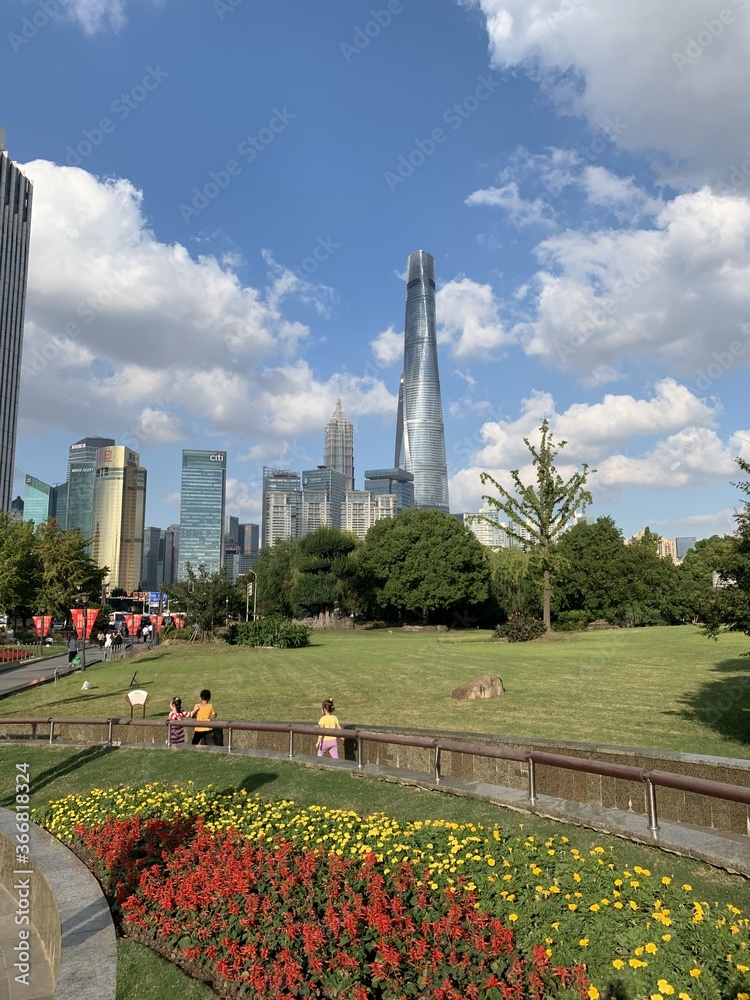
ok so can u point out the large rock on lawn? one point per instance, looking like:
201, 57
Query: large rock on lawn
487, 686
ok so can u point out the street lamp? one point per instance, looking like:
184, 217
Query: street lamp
251, 593
84, 602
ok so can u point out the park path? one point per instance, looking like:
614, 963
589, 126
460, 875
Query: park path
41, 984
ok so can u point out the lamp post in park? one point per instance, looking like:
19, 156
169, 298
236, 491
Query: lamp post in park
251, 593
84, 602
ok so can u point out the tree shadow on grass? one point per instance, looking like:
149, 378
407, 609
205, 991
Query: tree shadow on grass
723, 703
252, 782
74, 762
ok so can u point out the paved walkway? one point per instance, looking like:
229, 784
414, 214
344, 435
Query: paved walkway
40, 670
41, 984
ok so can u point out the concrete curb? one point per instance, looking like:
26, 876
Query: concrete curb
69, 911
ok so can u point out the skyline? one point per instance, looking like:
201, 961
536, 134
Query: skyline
222, 208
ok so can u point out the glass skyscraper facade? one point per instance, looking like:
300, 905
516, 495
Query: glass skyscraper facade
81, 482
398, 482
42, 501
420, 434
202, 505
15, 223
118, 516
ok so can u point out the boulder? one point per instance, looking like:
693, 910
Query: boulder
487, 686
425, 628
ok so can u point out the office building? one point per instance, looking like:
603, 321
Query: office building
339, 446
82, 458
152, 566
420, 435
239, 563
15, 224
41, 501
202, 504
16, 508
171, 553
249, 539
683, 546
231, 533
361, 509
282, 505
397, 482
322, 489
118, 516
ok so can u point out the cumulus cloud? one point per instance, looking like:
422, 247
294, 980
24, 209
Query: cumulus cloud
388, 347
522, 212
469, 321
157, 339
605, 62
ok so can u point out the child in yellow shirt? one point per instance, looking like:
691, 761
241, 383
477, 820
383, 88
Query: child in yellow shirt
328, 744
204, 712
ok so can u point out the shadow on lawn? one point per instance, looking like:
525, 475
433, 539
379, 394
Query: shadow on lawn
71, 763
722, 704
252, 782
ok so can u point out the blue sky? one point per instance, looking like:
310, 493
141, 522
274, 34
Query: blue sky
226, 192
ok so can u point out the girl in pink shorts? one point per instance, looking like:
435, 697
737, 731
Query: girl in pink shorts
328, 744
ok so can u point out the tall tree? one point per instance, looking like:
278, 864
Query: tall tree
590, 570
730, 609
66, 569
204, 597
514, 585
325, 565
276, 570
543, 511
18, 564
423, 563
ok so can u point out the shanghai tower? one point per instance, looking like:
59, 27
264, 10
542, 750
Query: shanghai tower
420, 436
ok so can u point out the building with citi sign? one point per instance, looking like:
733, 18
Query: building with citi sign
202, 508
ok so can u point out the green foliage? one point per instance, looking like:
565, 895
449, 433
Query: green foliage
18, 564
276, 570
204, 597
421, 564
521, 628
325, 565
514, 582
571, 621
541, 512
273, 631
66, 569
729, 609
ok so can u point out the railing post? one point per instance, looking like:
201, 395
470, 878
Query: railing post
437, 764
532, 780
51, 730
169, 734
229, 738
109, 732
653, 819
360, 763
291, 743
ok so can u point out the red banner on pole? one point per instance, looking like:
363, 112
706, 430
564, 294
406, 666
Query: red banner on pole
129, 623
136, 624
78, 623
42, 624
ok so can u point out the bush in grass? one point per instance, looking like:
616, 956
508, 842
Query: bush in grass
520, 628
272, 631
571, 621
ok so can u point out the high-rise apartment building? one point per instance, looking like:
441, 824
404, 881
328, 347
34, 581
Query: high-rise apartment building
15, 226
202, 506
119, 516
420, 434
249, 539
282, 505
399, 482
339, 446
82, 458
322, 491
361, 509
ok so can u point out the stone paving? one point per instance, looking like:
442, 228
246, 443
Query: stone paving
41, 984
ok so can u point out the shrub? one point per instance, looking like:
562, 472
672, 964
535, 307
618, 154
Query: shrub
571, 621
272, 631
520, 628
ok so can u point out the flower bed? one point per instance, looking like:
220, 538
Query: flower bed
640, 936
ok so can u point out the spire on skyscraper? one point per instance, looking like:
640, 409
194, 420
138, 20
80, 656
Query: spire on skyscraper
420, 435
339, 445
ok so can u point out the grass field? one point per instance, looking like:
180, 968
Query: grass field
660, 688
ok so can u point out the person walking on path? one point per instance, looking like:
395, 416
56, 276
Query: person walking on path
177, 715
203, 712
72, 649
117, 643
328, 744
108, 647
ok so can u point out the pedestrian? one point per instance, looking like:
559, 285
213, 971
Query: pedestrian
328, 744
100, 639
177, 715
72, 648
117, 643
204, 712
108, 647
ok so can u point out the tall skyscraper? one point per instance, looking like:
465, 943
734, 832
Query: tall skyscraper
420, 435
152, 565
202, 505
171, 553
398, 482
15, 224
119, 516
339, 446
42, 501
81, 481
322, 496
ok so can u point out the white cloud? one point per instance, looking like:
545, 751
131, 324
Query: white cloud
125, 325
692, 457
98, 15
243, 501
522, 212
468, 319
667, 77
388, 347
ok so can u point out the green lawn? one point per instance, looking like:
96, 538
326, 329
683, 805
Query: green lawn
660, 688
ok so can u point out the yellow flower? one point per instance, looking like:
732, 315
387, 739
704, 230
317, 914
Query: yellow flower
593, 993
742, 968
651, 949
513, 917
636, 963
618, 963
687, 888
666, 880
695, 973
665, 987
583, 942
